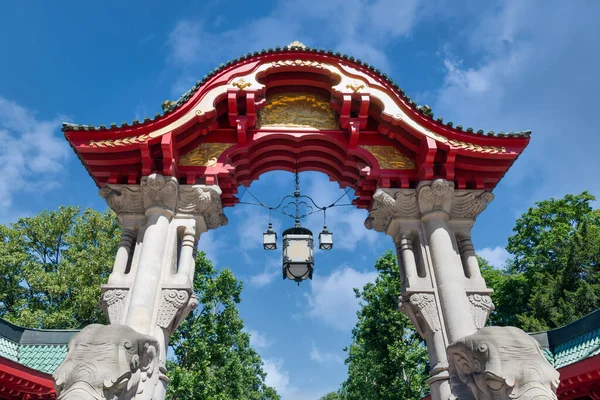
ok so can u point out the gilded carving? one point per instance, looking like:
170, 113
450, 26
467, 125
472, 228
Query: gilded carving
389, 157
241, 84
296, 43
297, 110
119, 142
205, 155
355, 86
297, 63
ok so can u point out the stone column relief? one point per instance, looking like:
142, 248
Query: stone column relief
149, 292
443, 292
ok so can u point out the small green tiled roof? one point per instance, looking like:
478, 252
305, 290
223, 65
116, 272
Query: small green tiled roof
573, 342
9, 349
39, 349
45, 358
576, 349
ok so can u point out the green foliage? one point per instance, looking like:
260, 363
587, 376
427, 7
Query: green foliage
387, 359
554, 277
52, 266
331, 396
213, 358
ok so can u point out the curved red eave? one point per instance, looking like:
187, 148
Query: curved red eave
371, 111
18, 382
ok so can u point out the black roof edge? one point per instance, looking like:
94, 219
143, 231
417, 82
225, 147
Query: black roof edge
558, 336
22, 335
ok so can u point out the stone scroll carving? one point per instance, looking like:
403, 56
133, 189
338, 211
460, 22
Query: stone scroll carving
481, 307
498, 363
391, 203
469, 204
205, 201
435, 196
112, 362
113, 303
123, 199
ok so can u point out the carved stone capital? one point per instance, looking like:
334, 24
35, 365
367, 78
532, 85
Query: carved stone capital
435, 195
421, 309
389, 204
205, 201
123, 199
112, 362
175, 305
160, 191
113, 304
481, 308
470, 203
497, 363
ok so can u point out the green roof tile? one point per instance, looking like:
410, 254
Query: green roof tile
9, 349
45, 358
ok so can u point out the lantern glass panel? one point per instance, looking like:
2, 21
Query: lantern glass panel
270, 240
298, 259
325, 240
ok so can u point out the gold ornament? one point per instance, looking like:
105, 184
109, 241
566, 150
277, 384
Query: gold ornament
119, 142
297, 110
241, 84
205, 155
389, 157
355, 86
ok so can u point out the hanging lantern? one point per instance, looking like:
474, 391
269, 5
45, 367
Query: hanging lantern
270, 238
298, 260
325, 239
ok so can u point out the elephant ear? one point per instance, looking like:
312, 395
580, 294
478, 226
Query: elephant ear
461, 370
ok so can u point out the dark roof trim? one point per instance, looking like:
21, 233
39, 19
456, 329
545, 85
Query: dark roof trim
34, 336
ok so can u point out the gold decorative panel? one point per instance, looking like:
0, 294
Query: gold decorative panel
297, 110
204, 155
389, 157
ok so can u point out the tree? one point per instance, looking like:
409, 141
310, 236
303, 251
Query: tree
387, 359
52, 266
554, 276
331, 396
213, 358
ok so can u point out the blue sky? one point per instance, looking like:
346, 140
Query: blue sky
491, 65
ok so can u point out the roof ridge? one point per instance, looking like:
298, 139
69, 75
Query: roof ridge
169, 106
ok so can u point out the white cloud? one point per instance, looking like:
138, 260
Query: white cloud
32, 154
332, 298
258, 340
361, 28
496, 256
279, 378
211, 246
324, 357
271, 271
532, 65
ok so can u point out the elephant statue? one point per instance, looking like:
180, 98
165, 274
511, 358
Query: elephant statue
498, 363
112, 362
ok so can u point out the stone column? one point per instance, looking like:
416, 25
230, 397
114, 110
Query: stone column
151, 290
443, 298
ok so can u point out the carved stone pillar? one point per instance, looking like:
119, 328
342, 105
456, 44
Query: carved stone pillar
151, 286
442, 294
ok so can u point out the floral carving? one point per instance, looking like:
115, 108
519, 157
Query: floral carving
113, 301
481, 307
172, 301
205, 201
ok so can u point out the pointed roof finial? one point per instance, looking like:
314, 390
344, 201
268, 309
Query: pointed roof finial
296, 43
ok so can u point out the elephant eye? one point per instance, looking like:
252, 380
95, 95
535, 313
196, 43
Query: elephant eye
494, 384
